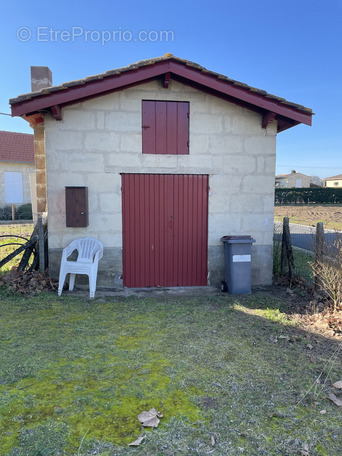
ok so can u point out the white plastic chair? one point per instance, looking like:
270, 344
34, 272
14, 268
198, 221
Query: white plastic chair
90, 251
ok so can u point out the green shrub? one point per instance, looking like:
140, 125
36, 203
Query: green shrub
6, 213
308, 195
23, 212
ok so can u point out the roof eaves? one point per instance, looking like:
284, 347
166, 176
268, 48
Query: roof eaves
143, 63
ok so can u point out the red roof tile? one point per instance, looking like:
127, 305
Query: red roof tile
50, 99
16, 147
338, 177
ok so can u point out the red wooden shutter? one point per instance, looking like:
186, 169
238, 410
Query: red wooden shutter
165, 230
165, 127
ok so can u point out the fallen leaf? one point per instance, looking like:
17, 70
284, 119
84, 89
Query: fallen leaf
335, 400
323, 412
138, 441
284, 337
338, 385
150, 418
213, 441
273, 339
305, 450
309, 346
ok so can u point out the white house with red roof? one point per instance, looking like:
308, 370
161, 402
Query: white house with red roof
158, 160
16, 164
333, 181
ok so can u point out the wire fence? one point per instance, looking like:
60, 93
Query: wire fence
305, 243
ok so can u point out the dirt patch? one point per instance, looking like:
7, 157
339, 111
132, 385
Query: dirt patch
311, 310
331, 216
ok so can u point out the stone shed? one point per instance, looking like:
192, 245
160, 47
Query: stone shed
158, 160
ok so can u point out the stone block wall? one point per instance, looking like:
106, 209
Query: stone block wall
101, 138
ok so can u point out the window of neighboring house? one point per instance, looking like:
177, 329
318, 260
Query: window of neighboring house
336, 184
13, 187
165, 127
283, 182
299, 183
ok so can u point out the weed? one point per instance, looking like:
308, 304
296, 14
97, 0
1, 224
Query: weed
329, 272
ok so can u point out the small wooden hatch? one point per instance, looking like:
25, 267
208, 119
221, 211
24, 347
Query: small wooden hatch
76, 207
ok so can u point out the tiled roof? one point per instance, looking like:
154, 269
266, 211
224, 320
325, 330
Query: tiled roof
281, 176
149, 62
338, 177
16, 147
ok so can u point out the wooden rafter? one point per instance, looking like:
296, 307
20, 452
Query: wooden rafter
56, 112
267, 118
166, 82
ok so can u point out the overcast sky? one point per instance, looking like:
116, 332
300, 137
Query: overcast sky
291, 49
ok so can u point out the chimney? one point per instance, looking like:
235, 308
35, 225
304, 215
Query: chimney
41, 78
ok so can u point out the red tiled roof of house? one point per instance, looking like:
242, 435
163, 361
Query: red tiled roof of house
53, 99
149, 62
338, 177
16, 147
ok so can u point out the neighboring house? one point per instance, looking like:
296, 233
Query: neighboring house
16, 164
170, 157
292, 180
334, 181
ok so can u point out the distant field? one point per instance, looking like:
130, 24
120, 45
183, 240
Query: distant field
330, 215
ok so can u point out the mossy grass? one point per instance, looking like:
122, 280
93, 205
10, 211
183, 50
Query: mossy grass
75, 373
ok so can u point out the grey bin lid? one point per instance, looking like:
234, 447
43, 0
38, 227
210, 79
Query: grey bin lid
238, 239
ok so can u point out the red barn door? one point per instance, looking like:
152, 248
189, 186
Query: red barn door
165, 230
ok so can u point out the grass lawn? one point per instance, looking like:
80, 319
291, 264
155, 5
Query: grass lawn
231, 376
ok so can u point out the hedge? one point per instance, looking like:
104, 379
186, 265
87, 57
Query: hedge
310, 195
23, 212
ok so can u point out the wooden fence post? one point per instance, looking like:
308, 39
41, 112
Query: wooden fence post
41, 243
319, 252
287, 249
283, 258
